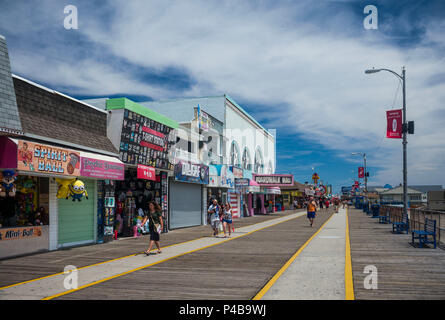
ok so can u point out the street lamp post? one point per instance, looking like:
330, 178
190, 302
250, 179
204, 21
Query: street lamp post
404, 132
364, 160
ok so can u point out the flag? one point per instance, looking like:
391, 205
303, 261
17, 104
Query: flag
361, 172
394, 124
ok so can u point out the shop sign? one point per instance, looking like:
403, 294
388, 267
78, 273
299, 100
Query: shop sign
273, 191
35, 157
226, 177
146, 172
237, 172
241, 182
20, 233
190, 172
309, 192
101, 169
145, 141
274, 179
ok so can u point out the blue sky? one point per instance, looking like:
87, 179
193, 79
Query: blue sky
296, 66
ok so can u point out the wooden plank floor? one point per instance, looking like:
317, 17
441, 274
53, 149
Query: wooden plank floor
236, 269
34, 266
404, 272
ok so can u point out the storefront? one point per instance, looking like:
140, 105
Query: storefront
144, 139
269, 184
186, 194
221, 183
47, 191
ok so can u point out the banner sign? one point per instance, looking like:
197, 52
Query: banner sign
361, 172
20, 233
36, 157
146, 172
394, 124
101, 169
241, 182
274, 179
346, 190
191, 172
237, 172
145, 141
309, 192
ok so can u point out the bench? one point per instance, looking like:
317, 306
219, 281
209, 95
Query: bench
422, 235
399, 227
385, 218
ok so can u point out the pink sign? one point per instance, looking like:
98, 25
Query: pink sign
394, 124
101, 169
146, 172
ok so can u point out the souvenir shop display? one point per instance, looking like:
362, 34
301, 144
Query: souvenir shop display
106, 208
132, 198
145, 141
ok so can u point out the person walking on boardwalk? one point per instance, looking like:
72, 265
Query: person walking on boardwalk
336, 204
155, 225
227, 220
311, 209
213, 212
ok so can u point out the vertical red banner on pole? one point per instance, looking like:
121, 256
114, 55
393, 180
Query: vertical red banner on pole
394, 124
361, 172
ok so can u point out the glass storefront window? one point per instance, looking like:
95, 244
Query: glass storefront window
29, 206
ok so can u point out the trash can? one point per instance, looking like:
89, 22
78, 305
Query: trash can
375, 208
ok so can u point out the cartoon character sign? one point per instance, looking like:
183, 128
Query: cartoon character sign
77, 190
7, 186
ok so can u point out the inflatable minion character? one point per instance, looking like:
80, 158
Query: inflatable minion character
7, 186
63, 191
77, 190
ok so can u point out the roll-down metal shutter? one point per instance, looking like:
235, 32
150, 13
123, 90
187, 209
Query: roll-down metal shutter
185, 204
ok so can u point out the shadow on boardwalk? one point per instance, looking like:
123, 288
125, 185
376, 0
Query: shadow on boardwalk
404, 272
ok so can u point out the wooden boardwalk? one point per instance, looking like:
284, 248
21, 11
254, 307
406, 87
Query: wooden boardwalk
34, 266
234, 270
404, 272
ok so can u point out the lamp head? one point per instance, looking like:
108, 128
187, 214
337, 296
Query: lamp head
369, 71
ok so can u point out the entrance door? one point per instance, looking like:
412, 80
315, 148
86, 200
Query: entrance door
76, 219
185, 205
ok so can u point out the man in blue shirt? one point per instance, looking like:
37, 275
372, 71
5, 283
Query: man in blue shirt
214, 216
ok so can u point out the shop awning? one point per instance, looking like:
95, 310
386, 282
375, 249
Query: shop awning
8, 153
254, 187
98, 166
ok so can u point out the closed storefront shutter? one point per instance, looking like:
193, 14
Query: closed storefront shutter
76, 219
185, 204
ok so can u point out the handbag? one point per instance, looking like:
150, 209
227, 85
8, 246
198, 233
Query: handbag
156, 226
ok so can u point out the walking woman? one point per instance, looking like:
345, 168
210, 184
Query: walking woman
227, 220
156, 225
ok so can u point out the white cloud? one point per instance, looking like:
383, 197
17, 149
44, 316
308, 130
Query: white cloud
277, 56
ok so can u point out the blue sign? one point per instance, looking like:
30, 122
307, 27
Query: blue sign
190, 172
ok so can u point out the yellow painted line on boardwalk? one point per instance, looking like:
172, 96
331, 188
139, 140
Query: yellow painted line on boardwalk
287, 264
158, 262
92, 265
349, 283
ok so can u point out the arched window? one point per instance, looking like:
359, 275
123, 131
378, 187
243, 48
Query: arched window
234, 155
258, 165
246, 160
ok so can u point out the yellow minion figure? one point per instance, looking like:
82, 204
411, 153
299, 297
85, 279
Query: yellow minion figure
63, 191
77, 190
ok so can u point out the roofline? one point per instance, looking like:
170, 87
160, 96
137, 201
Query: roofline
247, 114
57, 92
3, 37
70, 144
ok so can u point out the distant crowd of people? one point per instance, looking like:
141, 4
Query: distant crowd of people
314, 204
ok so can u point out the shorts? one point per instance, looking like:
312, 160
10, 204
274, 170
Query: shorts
311, 215
215, 223
227, 221
154, 236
